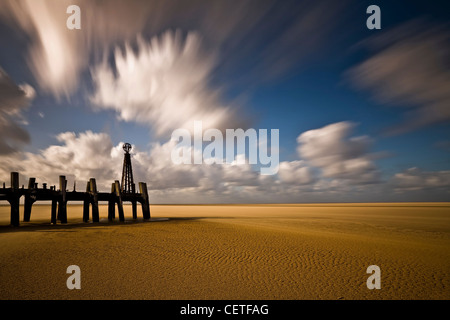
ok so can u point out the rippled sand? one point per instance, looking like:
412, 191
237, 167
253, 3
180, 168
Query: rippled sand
233, 252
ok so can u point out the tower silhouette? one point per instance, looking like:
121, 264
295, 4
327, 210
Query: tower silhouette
127, 185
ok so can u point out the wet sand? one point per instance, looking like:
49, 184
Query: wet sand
308, 251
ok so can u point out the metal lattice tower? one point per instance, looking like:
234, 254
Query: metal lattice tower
127, 185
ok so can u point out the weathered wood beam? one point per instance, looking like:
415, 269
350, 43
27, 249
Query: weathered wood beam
62, 203
111, 204
14, 199
94, 200
86, 203
53, 214
145, 203
119, 201
28, 200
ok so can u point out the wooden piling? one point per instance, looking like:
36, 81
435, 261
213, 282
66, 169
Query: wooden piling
14, 199
14, 180
53, 214
86, 203
60, 197
31, 183
134, 208
119, 201
28, 200
111, 204
94, 199
145, 203
62, 203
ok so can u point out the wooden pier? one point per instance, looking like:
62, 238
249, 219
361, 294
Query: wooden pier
60, 197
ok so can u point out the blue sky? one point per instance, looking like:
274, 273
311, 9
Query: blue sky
296, 66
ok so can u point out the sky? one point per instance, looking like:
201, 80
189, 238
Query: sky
363, 114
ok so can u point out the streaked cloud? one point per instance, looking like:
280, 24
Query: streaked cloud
409, 69
164, 84
52, 58
242, 34
56, 55
14, 99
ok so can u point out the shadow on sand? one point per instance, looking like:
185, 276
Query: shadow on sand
71, 226
42, 225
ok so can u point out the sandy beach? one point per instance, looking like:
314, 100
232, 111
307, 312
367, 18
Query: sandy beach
297, 251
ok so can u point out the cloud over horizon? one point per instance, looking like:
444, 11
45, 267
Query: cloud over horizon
344, 163
415, 179
338, 155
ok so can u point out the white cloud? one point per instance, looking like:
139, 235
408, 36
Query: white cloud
79, 157
295, 172
93, 155
337, 154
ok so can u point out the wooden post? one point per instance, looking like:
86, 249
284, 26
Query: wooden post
119, 201
14, 180
62, 205
14, 199
111, 204
53, 216
28, 201
146, 203
134, 207
86, 204
31, 183
95, 213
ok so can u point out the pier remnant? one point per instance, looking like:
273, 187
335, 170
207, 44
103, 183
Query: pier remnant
90, 198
